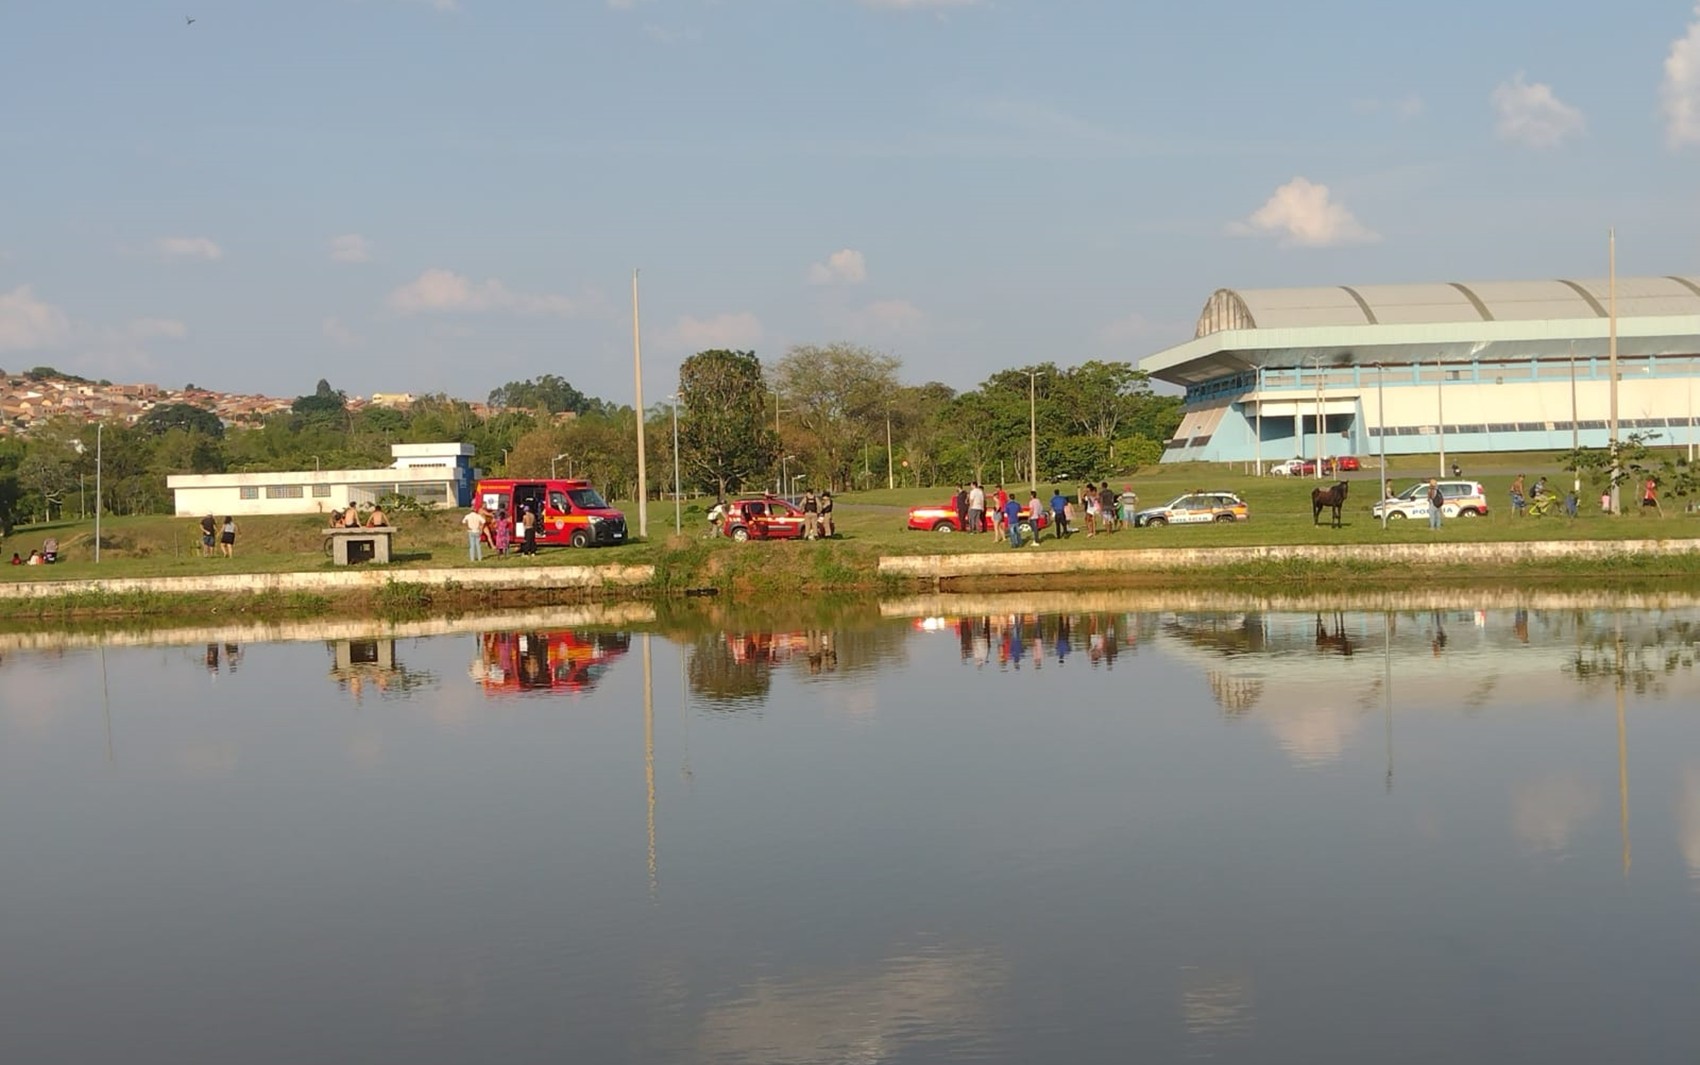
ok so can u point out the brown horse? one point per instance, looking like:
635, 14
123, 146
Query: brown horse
1327, 497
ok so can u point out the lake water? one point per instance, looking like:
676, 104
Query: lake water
943, 831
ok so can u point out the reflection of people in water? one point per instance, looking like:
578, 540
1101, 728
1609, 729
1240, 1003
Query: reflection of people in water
534, 662
1063, 646
1439, 643
1520, 624
212, 658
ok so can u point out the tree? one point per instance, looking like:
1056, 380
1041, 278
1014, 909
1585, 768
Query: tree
185, 416
546, 393
838, 393
725, 439
324, 407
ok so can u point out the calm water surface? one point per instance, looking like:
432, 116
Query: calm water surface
989, 834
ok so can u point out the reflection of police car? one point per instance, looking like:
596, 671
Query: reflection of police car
1196, 508
1464, 499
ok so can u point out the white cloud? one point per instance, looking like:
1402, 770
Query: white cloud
182, 248
1533, 116
738, 331
156, 328
1303, 213
351, 248
28, 324
443, 292
338, 333
1680, 91
843, 267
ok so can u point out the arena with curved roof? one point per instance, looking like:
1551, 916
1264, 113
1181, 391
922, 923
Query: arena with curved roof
1490, 366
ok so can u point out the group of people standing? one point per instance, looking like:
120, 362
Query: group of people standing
498, 530
1100, 508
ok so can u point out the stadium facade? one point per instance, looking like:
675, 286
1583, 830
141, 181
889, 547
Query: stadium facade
1496, 366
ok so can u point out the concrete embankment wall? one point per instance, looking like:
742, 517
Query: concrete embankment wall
229, 630
1029, 562
539, 577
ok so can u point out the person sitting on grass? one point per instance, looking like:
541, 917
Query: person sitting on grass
35, 559
16, 561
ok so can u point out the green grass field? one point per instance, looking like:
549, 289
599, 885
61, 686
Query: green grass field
870, 524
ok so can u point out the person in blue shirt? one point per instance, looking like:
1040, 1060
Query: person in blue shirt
1012, 522
1059, 512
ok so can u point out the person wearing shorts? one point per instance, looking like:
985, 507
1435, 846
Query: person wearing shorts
209, 530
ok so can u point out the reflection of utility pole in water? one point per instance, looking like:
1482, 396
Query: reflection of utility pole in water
106, 702
685, 715
1622, 756
649, 755
1387, 688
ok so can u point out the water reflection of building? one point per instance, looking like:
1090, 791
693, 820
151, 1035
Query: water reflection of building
371, 664
570, 661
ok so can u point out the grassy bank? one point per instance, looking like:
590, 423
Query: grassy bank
871, 524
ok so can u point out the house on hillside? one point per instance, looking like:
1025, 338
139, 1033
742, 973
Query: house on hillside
436, 474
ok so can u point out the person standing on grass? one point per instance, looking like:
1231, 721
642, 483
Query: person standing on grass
1059, 512
1107, 506
502, 531
1089, 503
999, 498
227, 537
1129, 501
528, 543
1011, 516
960, 502
1650, 497
1435, 500
1518, 502
811, 516
208, 529
976, 509
826, 527
474, 522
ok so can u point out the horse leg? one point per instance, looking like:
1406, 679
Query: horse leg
1315, 512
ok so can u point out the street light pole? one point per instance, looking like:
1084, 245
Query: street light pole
1033, 428
890, 472
99, 429
1381, 417
556, 459
1440, 411
1611, 360
637, 375
678, 520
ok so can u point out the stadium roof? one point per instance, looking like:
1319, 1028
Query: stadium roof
1241, 329
1492, 301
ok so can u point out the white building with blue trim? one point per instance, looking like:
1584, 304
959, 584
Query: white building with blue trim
1496, 366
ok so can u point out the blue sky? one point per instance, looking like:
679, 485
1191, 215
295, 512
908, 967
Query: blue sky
422, 195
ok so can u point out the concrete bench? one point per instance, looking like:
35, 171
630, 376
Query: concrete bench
351, 546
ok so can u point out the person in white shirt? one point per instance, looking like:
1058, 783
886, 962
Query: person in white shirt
474, 522
976, 509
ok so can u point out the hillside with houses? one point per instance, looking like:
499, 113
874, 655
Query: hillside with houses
30, 398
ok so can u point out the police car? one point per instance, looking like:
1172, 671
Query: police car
1195, 508
1463, 499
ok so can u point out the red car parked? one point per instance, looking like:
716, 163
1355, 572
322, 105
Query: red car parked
762, 518
943, 519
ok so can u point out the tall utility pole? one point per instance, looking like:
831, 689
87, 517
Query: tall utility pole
637, 373
1575, 427
1611, 364
1381, 417
1033, 427
890, 474
778, 438
99, 429
1440, 411
1259, 442
678, 519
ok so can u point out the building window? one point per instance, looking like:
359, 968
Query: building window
248, 491
283, 491
321, 491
